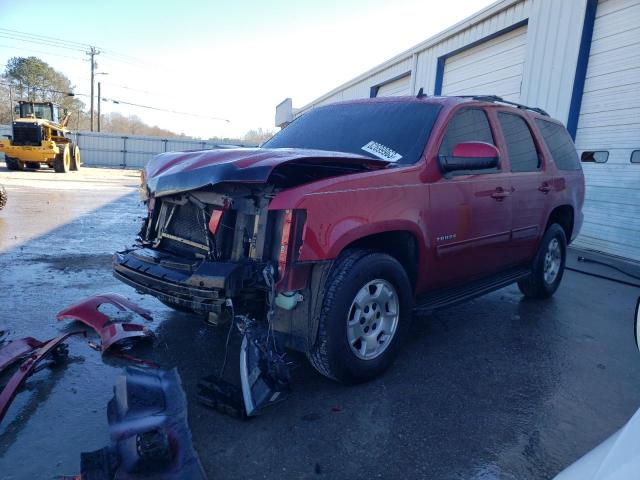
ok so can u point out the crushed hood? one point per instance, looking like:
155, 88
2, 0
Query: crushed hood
176, 172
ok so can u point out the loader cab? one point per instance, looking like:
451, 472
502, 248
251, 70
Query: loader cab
40, 110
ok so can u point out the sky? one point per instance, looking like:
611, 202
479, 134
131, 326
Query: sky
232, 60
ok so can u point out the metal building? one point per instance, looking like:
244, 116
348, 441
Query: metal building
577, 59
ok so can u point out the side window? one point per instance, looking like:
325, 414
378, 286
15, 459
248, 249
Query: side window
523, 155
468, 125
560, 144
635, 156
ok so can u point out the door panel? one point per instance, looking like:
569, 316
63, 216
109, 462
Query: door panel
530, 183
471, 229
471, 213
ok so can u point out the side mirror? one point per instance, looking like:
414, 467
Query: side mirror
470, 156
637, 324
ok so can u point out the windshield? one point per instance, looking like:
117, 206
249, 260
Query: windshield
392, 131
42, 111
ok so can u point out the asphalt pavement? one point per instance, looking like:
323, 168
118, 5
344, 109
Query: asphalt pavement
497, 388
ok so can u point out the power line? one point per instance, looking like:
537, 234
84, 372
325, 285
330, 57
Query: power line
122, 102
40, 42
45, 37
43, 51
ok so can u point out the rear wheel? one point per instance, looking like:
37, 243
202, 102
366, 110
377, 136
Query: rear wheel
548, 265
62, 162
364, 317
75, 157
14, 163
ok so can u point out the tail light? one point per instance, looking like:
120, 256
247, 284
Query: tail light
291, 239
216, 216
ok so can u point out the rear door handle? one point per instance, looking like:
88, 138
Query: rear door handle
500, 194
545, 188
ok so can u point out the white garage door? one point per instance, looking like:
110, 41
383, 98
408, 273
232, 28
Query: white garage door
395, 88
491, 68
610, 122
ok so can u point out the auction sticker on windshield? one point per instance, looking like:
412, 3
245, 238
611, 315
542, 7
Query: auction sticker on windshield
380, 151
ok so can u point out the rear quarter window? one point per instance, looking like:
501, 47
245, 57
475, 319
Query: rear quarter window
560, 145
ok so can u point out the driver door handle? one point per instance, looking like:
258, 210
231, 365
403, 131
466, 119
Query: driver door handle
500, 194
545, 188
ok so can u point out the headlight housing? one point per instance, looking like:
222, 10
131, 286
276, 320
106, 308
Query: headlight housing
142, 188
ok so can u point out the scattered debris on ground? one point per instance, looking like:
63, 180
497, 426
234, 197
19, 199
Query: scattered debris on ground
110, 332
53, 349
264, 374
150, 436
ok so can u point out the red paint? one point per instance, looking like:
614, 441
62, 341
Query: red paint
15, 350
26, 369
475, 150
110, 333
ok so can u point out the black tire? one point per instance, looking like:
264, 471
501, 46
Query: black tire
3, 197
62, 162
536, 286
332, 355
75, 158
14, 164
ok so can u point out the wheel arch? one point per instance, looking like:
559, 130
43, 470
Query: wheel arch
399, 244
563, 215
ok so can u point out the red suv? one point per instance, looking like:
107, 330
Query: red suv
358, 216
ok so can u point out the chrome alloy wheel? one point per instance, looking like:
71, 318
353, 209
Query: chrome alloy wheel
552, 261
372, 320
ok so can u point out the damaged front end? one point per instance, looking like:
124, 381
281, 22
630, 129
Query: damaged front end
197, 249
210, 231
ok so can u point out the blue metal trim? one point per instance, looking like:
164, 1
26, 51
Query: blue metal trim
581, 67
373, 92
437, 89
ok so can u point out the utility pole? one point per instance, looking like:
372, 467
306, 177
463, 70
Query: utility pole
11, 106
92, 53
98, 106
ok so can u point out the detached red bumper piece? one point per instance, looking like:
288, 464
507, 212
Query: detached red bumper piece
110, 332
54, 348
15, 350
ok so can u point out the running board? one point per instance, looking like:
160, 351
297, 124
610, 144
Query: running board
447, 297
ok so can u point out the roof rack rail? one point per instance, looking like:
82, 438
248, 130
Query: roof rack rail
495, 98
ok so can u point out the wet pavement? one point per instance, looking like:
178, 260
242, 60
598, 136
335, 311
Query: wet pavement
498, 388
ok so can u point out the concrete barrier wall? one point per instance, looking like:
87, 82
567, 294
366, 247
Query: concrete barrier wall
126, 151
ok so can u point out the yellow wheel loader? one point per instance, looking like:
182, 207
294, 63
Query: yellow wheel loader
40, 135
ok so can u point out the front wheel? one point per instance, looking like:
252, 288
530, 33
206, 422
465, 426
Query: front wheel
75, 158
548, 265
14, 164
364, 318
62, 162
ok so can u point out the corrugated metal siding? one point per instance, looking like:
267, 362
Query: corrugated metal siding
395, 88
107, 150
553, 43
494, 67
610, 120
428, 59
425, 68
362, 89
